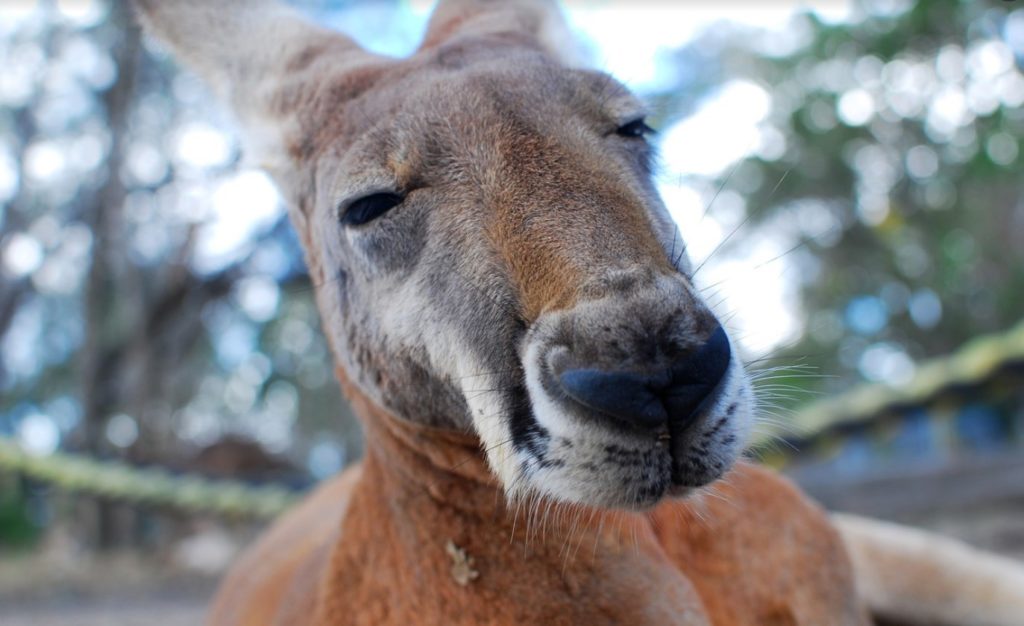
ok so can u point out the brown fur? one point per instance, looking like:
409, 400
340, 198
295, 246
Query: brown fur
369, 548
548, 269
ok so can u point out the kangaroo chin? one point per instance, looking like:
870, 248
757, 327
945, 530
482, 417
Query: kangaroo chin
513, 318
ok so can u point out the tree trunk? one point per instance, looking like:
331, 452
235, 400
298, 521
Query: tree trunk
100, 354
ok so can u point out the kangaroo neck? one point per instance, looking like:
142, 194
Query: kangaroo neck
405, 458
429, 518
437, 467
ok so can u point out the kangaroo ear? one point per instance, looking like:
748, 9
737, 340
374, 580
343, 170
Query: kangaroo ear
540, 21
259, 56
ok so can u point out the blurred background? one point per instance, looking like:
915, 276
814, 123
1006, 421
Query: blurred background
847, 176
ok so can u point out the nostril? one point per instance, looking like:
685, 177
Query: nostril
631, 398
696, 376
706, 364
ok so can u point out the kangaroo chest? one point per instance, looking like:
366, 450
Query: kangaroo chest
417, 558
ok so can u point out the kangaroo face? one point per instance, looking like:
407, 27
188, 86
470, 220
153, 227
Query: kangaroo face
496, 258
490, 254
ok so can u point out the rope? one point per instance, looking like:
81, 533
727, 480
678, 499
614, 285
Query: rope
153, 486
976, 362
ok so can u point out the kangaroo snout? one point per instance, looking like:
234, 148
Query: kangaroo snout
653, 400
640, 380
645, 356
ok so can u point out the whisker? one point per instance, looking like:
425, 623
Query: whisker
803, 242
721, 187
746, 219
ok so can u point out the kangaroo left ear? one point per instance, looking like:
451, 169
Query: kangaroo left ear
265, 61
539, 20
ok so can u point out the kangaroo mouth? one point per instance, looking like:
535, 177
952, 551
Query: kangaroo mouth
581, 459
675, 438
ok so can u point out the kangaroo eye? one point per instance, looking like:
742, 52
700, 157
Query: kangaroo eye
369, 208
636, 128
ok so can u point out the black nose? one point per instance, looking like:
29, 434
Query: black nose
649, 400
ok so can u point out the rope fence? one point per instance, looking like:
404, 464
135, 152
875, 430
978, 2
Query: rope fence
974, 363
153, 486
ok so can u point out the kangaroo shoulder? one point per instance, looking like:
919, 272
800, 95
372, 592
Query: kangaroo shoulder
275, 579
760, 551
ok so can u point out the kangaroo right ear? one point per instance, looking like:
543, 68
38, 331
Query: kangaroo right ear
538, 20
260, 57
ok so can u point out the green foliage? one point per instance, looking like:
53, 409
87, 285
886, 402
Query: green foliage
16, 527
902, 178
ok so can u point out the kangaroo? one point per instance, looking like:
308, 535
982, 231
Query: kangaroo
554, 418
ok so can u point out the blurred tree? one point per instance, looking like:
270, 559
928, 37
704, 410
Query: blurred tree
153, 298
895, 174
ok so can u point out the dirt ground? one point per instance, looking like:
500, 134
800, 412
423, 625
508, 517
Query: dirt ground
46, 589
138, 611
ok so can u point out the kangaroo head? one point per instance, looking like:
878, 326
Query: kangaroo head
488, 248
